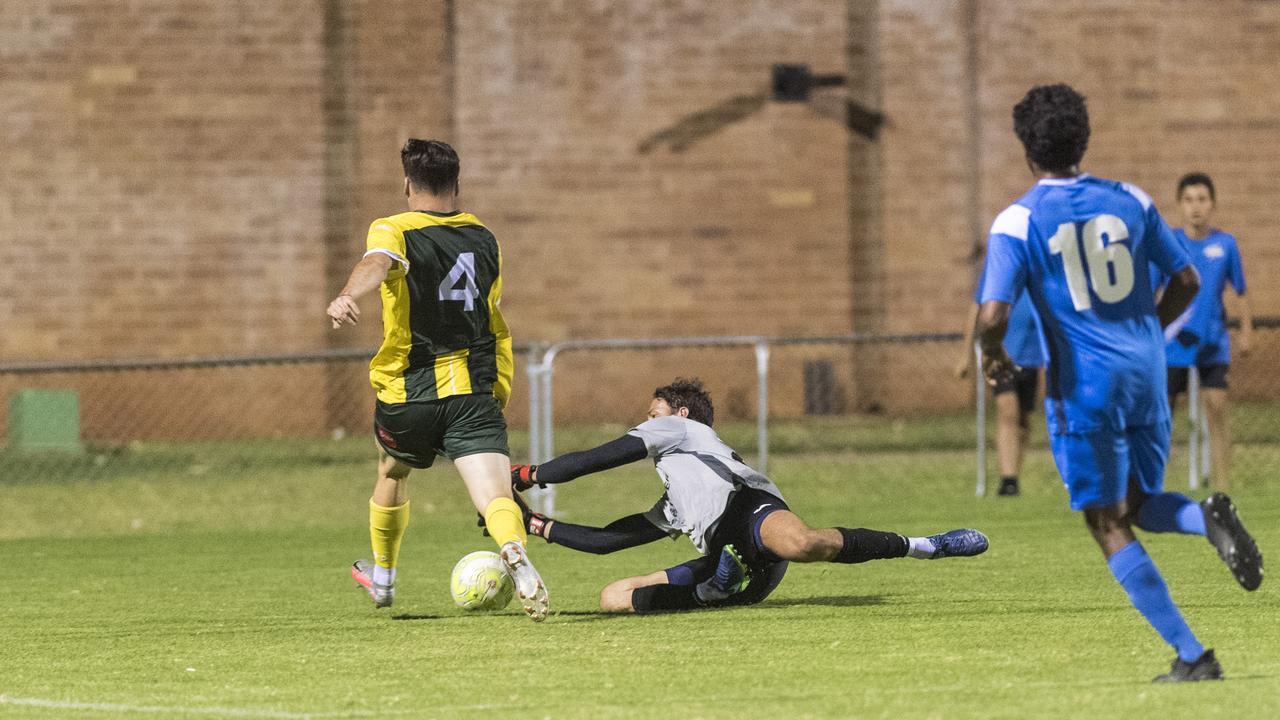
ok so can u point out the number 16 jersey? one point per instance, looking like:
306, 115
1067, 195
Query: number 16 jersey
1082, 249
442, 331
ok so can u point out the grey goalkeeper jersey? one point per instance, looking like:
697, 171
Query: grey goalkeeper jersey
699, 473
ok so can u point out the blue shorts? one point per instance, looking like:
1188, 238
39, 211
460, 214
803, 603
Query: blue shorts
1097, 466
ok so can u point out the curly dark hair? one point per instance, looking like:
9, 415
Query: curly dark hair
688, 393
1197, 178
430, 165
1053, 124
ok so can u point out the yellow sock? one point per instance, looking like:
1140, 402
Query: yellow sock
505, 521
386, 528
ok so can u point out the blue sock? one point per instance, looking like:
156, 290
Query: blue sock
1148, 593
1171, 512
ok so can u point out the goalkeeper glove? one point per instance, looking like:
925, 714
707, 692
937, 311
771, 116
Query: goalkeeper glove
522, 477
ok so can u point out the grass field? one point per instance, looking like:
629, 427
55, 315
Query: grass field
211, 581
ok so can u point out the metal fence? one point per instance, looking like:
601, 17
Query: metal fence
129, 418
541, 371
844, 393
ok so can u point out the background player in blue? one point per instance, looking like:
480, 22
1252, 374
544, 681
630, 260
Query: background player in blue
1199, 337
1016, 395
1080, 247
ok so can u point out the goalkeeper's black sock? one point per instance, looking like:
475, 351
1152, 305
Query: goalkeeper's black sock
654, 599
861, 545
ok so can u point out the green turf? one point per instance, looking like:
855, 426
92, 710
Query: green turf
214, 585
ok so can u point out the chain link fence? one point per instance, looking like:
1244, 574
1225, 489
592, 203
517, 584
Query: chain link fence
98, 420
841, 394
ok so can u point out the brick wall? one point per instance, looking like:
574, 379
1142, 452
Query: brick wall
601, 239
185, 178
161, 177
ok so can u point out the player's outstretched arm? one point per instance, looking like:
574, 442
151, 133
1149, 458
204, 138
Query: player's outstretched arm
620, 534
623, 533
624, 450
367, 275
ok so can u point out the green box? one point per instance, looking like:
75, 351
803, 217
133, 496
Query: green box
44, 420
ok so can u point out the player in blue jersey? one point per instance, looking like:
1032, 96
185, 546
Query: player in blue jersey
1199, 337
1080, 246
1016, 395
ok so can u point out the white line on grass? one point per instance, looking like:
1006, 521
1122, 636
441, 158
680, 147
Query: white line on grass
220, 711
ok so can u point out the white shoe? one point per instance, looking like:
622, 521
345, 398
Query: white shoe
382, 595
529, 586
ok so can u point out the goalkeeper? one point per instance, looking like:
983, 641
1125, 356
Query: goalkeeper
734, 516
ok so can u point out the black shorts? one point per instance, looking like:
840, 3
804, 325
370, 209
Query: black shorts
415, 432
1025, 382
1211, 376
740, 527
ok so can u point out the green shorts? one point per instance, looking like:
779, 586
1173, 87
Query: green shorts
415, 432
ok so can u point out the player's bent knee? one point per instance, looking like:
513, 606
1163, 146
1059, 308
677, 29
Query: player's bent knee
1103, 519
616, 597
1007, 408
806, 546
817, 548
393, 469
786, 548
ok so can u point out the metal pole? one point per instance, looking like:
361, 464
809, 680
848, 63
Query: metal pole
1206, 442
548, 428
1193, 439
536, 495
762, 407
535, 408
547, 440
981, 421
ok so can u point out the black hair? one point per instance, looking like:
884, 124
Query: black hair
430, 165
1196, 178
1053, 124
688, 393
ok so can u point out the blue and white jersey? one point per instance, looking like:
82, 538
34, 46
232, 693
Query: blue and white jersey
1081, 248
1024, 340
1199, 336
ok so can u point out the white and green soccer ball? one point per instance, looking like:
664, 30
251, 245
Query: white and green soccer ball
480, 582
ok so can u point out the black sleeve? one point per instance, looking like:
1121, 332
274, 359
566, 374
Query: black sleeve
626, 449
620, 534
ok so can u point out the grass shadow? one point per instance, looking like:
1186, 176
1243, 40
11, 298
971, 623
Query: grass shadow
414, 616
824, 600
577, 616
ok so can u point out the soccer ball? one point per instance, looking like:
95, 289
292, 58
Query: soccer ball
480, 582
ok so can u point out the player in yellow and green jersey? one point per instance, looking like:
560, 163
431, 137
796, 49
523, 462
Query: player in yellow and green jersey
443, 373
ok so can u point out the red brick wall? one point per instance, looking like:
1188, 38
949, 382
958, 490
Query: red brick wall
186, 178
161, 178
602, 240
742, 232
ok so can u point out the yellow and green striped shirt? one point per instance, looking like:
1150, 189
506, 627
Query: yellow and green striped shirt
442, 331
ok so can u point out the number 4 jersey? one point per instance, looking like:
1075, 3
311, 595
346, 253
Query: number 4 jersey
1082, 248
443, 334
